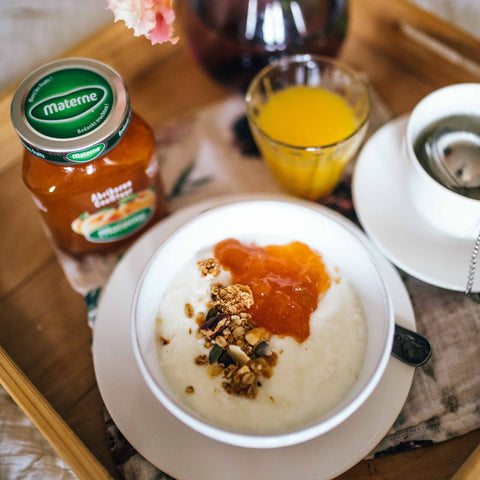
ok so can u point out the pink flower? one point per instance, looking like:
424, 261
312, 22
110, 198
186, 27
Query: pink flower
151, 18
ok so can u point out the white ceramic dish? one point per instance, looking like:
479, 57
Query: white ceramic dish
389, 217
186, 455
284, 222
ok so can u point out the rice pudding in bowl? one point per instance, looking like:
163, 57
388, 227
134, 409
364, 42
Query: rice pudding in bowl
217, 354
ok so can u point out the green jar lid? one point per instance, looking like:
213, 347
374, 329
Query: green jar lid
71, 111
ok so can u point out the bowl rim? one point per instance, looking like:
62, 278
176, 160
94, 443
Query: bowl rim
263, 441
304, 58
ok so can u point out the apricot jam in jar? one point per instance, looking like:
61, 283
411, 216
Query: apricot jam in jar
89, 161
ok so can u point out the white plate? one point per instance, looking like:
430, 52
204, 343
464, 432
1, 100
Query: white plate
387, 214
185, 454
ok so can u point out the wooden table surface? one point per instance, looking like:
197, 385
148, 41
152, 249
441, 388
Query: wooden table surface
44, 322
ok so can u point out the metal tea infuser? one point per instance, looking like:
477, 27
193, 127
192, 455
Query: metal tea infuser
454, 156
453, 152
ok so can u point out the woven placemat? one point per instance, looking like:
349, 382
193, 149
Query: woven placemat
210, 153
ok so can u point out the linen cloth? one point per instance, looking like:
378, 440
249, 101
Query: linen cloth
24, 453
209, 153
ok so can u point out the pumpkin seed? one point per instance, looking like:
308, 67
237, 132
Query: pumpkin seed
225, 359
212, 313
261, 349
215, 354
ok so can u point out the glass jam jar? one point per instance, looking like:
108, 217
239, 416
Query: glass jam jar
89, 161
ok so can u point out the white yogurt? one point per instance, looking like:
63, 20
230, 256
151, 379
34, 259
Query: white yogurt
309, 379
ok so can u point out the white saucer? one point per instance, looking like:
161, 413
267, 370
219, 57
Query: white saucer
387, 214
187, 455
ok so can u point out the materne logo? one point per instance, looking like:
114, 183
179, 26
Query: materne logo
68, 106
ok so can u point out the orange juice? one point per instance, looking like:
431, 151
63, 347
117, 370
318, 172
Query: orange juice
301, 119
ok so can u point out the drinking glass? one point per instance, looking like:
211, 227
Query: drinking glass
310, 171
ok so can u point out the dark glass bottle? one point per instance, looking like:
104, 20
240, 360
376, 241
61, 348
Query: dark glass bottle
234, 39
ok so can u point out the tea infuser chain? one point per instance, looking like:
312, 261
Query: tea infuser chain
471, 272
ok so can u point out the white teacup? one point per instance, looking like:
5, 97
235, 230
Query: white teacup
446, 210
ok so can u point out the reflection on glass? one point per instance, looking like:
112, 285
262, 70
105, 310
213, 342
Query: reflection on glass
234, 39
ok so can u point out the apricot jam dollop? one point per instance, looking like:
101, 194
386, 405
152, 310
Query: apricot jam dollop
287, 282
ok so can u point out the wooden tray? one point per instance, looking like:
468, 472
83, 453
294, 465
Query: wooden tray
405, 52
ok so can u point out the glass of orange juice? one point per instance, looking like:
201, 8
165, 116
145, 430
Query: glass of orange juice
308, 115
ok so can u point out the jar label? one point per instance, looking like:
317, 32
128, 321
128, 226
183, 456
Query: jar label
68, 103
86, 155
116, 222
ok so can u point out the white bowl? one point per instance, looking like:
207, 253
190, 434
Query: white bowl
285, 222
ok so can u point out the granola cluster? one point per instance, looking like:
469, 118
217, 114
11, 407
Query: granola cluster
209, 266
232, 299
238, 348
